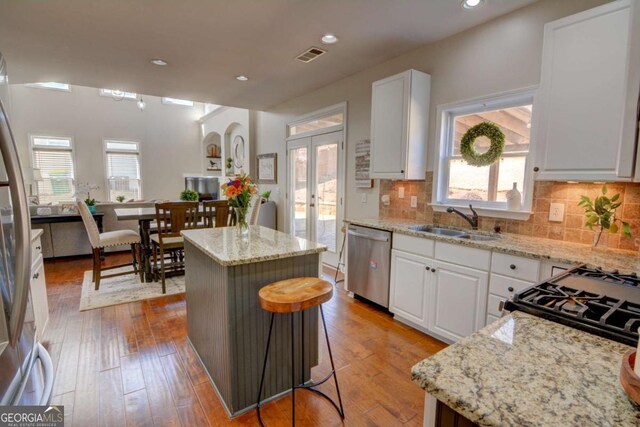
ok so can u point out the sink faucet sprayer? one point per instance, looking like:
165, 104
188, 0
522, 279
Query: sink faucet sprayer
473, 220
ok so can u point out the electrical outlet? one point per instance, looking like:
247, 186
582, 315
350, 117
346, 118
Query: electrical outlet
400, 192
556, 212
363, 198
414, 201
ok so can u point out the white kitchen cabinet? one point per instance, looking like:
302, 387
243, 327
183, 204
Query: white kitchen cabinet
409, 295
587, 105
399, 121
38, 301
459, 302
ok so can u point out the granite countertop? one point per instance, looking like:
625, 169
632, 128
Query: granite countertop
527, 371
263, 244
533, 247
36, 233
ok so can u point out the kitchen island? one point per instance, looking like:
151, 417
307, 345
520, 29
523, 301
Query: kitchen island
527, 371
225, 323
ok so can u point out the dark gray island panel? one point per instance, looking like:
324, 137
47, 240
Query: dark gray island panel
228, 329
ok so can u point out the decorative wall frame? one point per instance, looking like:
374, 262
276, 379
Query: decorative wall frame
267, 168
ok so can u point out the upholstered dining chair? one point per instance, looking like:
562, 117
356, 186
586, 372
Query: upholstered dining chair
217, 213
171, 219
100, 241
254, 209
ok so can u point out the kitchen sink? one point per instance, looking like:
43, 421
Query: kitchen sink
436, 230
477, 237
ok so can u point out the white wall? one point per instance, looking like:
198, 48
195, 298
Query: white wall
500, 55
169, 135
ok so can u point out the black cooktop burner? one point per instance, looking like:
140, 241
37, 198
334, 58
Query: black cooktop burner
600, 302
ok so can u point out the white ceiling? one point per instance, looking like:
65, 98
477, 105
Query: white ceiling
109, 43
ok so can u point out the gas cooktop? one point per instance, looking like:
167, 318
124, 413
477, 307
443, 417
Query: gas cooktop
604, 303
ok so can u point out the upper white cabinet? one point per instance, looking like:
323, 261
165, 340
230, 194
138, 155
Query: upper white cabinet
589, 96
399, 121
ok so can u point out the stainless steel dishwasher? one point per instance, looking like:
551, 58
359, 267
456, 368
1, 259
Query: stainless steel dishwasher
369, 260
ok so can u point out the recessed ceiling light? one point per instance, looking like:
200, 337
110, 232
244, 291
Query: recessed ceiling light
242, 78
160, 62
470, 4
329, 39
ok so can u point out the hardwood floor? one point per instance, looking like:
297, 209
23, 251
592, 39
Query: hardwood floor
132, 365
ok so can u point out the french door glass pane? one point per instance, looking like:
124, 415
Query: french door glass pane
326, 184
299, 167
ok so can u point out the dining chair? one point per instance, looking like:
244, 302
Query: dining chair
254, 209
217, 213
100, 241
171, 219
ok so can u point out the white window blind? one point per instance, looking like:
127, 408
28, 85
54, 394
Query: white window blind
54, 158
123, 170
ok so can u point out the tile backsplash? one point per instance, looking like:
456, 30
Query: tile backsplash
571, 229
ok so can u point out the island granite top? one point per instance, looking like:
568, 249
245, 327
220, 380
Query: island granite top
534, 247
263, 244
527, 371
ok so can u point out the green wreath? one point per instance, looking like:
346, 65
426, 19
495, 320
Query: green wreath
468, 151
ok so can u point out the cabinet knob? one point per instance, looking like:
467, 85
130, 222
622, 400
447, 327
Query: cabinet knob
536, 169
428, 268
510, 288
402, 171
433, 270
512, 266
38, 248
35, 276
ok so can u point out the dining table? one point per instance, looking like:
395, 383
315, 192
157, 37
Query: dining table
144, 216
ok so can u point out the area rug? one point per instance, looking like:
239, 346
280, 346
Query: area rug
124, 289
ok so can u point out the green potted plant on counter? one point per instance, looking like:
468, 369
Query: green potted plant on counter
86, 188
601, 214
189, 196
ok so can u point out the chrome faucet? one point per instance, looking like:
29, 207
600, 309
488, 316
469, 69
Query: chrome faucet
473, 220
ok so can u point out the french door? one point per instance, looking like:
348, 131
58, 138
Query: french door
314, 193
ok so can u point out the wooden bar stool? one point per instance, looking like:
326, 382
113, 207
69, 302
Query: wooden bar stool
288, 297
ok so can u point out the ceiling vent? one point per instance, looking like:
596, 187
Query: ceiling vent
310, 54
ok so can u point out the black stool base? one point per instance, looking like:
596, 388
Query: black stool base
311, 387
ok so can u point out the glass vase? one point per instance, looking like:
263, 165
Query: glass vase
242, 228
600, 240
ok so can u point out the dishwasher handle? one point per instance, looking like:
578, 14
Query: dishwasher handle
366, 236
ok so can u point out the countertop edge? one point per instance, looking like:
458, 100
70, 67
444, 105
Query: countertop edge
490, 245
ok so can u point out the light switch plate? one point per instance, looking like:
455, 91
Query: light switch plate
363, 198
414, 201
556, 212
400, 192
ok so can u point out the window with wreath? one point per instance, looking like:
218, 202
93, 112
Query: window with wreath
485, 184
53, 157
123, 170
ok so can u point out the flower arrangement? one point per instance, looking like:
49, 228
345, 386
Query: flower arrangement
601, 212
86, 188
239, 191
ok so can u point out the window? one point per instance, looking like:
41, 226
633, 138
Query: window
123, 170
54, 157
118, 94
331, 120
51, 85
176, 101
459, 183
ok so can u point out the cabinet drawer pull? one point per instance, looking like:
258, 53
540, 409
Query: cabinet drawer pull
536, 169
428, 268
37, 248
35, 276
433, 270
510, 288
512, 266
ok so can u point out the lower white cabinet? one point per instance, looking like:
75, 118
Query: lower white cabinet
38, 300
459, 300
410, 287
447, 300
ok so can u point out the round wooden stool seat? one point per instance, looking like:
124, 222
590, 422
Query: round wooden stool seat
297, 294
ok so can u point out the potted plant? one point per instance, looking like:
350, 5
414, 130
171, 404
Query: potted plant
86, 188
229, 166
266, 195
189, 196
120, 198
601, 213
239, 191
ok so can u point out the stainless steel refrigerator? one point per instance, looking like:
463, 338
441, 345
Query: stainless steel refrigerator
26, 371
